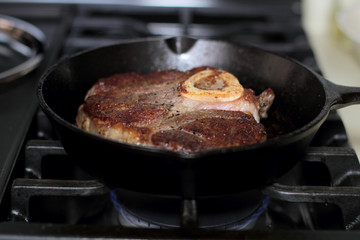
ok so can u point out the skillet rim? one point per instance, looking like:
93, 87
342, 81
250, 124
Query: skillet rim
277, 141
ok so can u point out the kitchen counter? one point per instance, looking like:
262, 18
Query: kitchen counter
334, 55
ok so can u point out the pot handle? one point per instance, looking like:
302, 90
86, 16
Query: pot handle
342, 96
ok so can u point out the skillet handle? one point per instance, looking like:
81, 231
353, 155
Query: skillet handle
342, 96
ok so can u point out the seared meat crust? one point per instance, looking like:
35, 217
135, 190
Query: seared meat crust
148, 109
206, 132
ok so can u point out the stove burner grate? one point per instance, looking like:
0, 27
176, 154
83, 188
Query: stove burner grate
338, 168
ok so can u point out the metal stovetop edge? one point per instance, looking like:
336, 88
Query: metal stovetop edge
57, 231
18, 103
156, 3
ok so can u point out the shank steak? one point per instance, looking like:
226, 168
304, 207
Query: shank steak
159, 109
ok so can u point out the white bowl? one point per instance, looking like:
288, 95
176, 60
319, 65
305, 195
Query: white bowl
348, 21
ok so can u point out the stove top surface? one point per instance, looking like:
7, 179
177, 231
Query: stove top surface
44, 195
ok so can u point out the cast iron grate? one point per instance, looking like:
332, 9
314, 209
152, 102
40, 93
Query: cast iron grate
272, 27
328, 176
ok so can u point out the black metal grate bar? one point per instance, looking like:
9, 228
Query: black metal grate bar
24, 189
35, 151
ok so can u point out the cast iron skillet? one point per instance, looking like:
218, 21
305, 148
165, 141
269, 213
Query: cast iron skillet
303, 101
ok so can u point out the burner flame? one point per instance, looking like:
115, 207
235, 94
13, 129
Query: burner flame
148, 217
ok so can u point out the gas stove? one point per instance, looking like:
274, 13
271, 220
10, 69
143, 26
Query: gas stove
45, 195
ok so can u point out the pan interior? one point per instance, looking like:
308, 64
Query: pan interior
299, 93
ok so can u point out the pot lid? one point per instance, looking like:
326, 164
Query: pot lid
21, 48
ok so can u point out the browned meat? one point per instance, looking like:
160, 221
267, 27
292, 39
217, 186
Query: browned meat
210, 129
152, 109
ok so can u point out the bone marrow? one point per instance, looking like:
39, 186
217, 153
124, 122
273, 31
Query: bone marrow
212, 86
